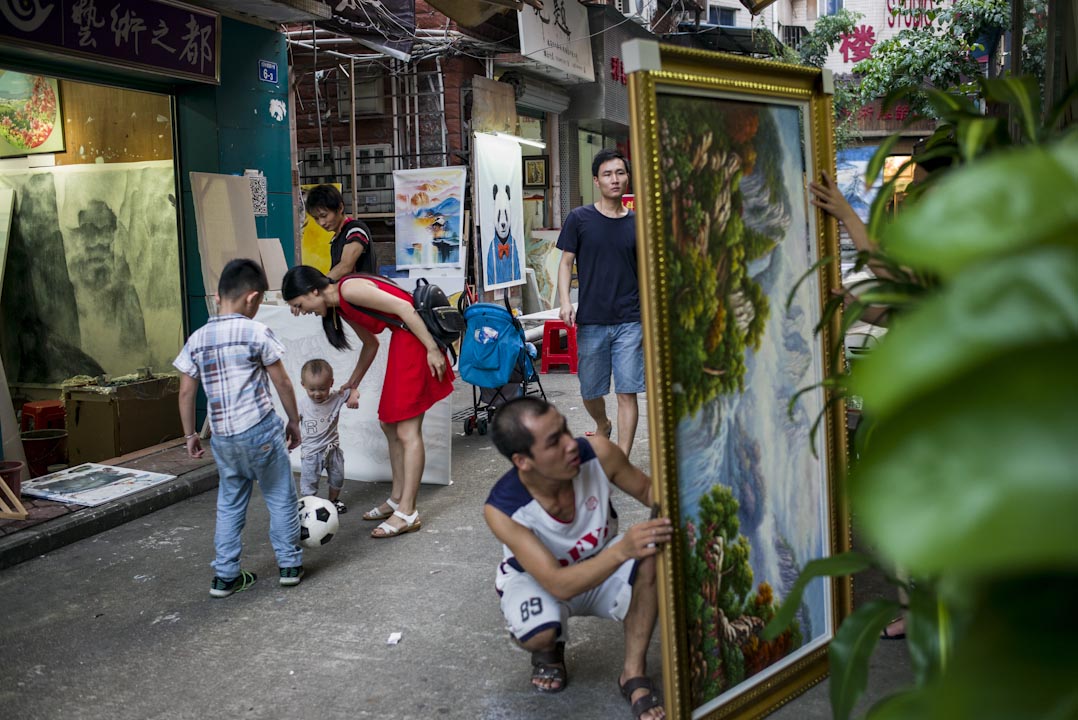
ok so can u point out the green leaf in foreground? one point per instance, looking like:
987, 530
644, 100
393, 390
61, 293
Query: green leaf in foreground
835, 566
850, 651
991, 207
979, 477
1002, 306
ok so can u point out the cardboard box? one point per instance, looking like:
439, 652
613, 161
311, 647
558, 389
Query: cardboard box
106, 422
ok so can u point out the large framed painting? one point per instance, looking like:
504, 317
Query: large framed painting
732, 290
30, 115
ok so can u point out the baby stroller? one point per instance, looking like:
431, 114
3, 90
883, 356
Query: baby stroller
496, 360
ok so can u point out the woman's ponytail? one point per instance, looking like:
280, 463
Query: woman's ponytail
331, 325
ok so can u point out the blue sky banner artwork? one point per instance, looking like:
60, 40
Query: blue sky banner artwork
429, 216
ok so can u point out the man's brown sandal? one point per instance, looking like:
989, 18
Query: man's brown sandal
550, 665
646, 702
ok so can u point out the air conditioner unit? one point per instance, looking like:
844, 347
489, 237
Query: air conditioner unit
536, 94
629, 8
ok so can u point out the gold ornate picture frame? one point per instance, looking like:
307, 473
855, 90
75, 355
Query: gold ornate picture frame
732, 289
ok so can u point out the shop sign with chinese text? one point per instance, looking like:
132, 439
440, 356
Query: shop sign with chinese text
557, 35
167, 38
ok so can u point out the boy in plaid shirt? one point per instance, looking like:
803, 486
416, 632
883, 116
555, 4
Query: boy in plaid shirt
233, 356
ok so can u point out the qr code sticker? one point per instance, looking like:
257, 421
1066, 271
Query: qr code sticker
258, 195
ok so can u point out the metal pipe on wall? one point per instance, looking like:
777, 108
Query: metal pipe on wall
309, 46
553, 205
352, 134
415, 89
441, 108
396, 115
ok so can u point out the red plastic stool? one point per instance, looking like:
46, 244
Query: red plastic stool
552, 350
44, 415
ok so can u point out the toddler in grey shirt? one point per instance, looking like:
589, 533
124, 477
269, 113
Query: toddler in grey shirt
321, 450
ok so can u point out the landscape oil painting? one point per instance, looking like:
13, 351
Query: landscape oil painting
730, 320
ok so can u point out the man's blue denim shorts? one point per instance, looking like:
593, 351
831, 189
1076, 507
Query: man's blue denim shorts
601, 349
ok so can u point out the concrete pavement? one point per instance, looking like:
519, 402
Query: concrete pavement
120, 625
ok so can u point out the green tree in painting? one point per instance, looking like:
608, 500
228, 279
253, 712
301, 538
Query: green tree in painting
709, 147
725, 616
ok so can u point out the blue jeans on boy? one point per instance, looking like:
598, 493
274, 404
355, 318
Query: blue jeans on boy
258, 453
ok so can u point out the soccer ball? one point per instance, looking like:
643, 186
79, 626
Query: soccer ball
318, 521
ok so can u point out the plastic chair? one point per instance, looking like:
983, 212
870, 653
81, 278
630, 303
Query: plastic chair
552, 349
44, 415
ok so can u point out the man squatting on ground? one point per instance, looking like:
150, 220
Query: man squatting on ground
552, 512
601, 240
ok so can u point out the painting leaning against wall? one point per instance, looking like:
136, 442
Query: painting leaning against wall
93, 276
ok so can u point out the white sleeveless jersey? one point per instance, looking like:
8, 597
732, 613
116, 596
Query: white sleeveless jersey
594, 521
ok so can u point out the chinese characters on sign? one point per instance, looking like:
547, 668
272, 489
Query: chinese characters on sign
873, 117
901, 15
617, 71
173, 39
559, 17
857, 46
557, 35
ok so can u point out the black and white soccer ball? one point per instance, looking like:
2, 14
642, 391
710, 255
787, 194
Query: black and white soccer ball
318, 521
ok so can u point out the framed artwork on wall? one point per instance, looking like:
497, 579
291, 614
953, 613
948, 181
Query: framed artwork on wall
536, 171
30, 115
732, 291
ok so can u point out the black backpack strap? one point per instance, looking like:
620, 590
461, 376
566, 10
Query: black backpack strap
394, 321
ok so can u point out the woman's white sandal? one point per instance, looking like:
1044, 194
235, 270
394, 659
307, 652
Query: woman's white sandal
375, 513
411, 524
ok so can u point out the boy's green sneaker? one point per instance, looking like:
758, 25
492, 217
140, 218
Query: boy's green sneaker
291, 575
220, 587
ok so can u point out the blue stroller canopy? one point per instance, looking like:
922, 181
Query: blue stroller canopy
491, 347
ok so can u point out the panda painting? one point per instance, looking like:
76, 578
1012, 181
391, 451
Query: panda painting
499, 201
503, 262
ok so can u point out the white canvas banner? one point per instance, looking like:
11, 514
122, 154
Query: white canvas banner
429, 206
501, 211
557, 35
366, 455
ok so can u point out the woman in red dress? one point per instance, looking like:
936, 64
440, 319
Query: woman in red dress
417, 372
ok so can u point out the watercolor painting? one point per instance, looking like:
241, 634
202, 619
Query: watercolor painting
430, 216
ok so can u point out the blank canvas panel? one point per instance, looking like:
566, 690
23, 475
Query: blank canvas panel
226, 223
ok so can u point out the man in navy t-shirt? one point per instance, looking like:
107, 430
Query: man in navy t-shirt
601, 240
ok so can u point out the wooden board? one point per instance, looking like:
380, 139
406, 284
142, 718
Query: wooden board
226, 223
